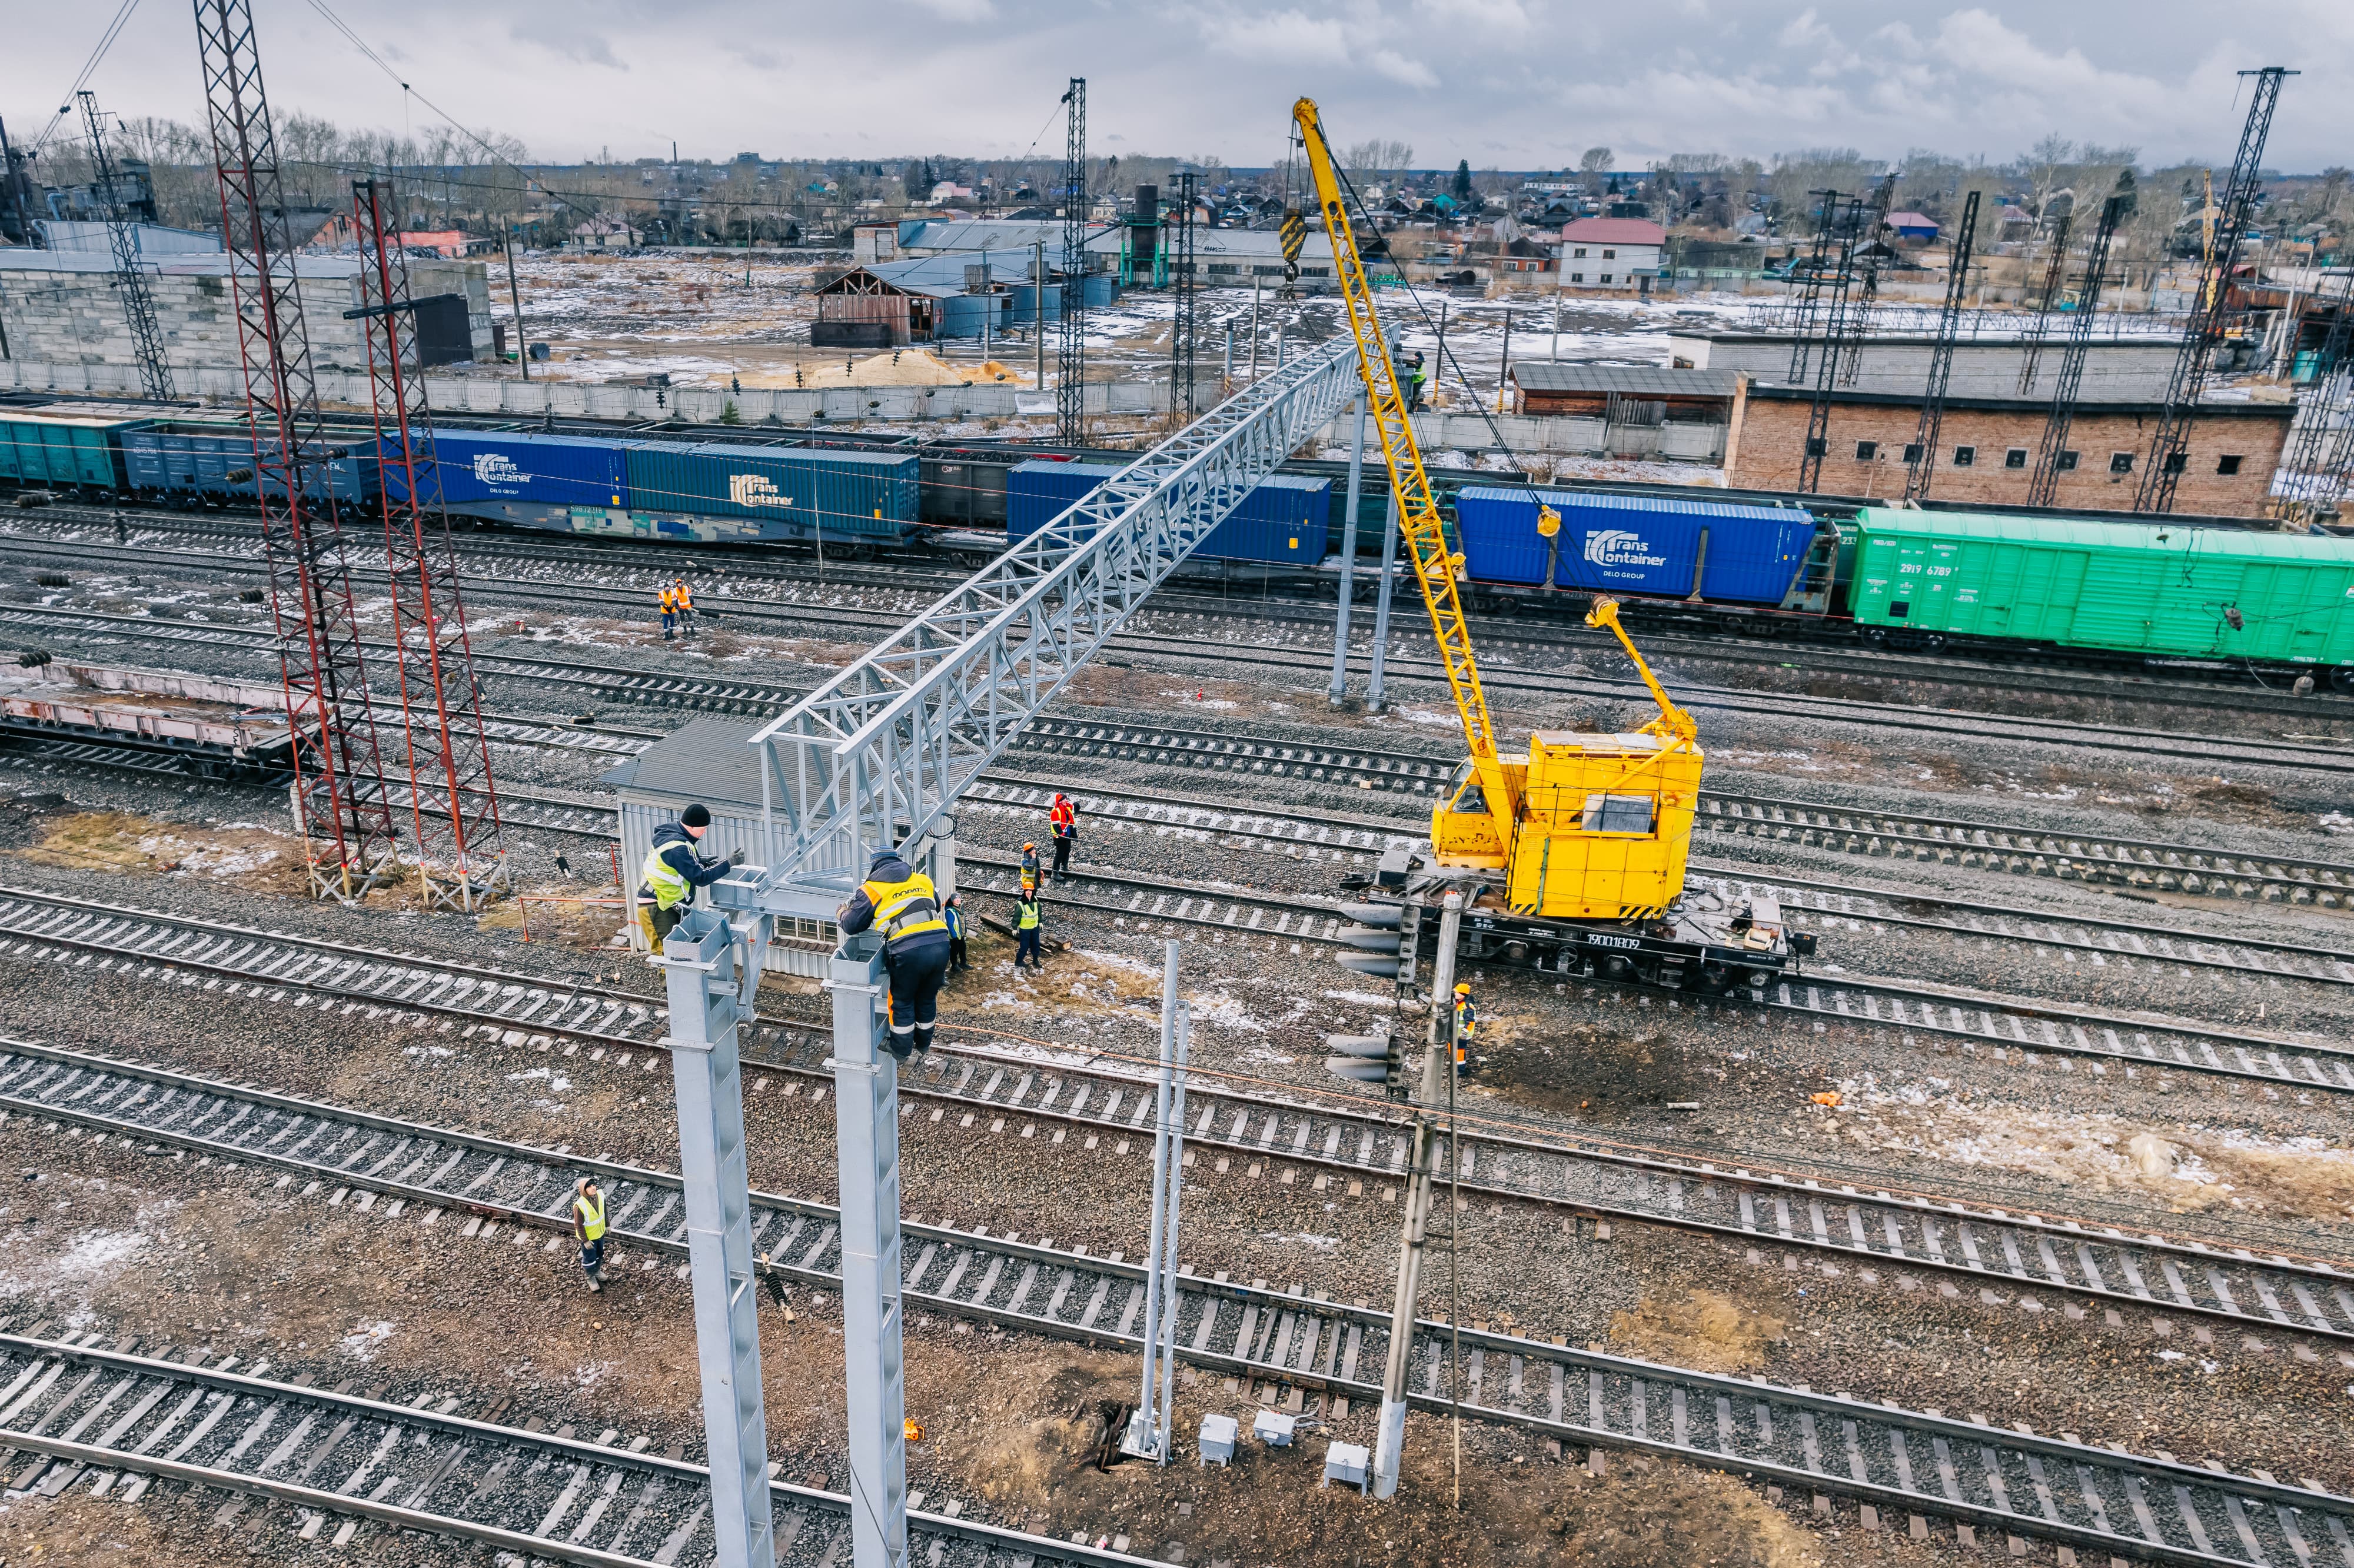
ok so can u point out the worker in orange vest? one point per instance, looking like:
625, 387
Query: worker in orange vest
681, 600
668, 600
1063, 817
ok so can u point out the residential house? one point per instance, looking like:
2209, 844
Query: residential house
1611, 254
1912, 226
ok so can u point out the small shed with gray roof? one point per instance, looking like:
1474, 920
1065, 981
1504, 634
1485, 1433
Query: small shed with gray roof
1693, 396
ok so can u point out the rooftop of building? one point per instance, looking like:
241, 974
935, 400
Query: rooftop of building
2209, 408
1629, 380
1614, 231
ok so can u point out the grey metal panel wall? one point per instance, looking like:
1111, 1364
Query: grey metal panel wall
797, 953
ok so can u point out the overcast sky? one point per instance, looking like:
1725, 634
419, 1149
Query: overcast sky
1510, 83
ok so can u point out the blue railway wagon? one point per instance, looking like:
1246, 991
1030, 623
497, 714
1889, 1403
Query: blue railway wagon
1284, 520
192, 461
63, 450
1656, 545
525, 478
720, 490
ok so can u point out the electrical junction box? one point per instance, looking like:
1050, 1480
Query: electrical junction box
1350, 1464
1271, 1429
1217, 1440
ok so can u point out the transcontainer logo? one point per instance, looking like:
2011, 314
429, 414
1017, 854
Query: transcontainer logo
496, 467
1620, 548
754, 490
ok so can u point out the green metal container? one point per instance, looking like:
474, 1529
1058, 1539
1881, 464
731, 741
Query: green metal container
2136, 587
73, 451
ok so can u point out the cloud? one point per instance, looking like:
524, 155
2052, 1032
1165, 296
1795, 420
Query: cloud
1402, 70
1803, 31
571, 43
1489, 16
959, 10
1290, 36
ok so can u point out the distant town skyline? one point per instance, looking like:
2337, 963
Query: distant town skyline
1514, 84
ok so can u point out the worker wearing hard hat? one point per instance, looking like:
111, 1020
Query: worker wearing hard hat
901, 902
1063, 817
666, 600
1467, 1026
588, 1229
682, 598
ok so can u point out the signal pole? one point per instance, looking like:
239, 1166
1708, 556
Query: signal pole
1389, 1439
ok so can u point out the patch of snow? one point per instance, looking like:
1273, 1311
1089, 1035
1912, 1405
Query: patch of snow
362, 1342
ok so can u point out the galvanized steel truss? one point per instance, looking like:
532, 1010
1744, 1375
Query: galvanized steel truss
2055, 274
1922, 471
1802, 319
454, 802
1882, 198
1071, 367
880, 752
340, 802
1836, 325
2046, 480
2170, 443
138, 305
2310, 480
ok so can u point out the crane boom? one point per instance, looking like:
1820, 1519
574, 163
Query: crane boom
1418, 520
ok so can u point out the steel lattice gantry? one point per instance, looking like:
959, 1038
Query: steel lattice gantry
341, 804
2309, 478
1835, 326
1185, 343
2052, 451
1922, 471
2055, 275
138, 305
2169, 442
454, 802
1071, 365
879, 754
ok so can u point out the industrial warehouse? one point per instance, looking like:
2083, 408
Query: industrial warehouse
1052, 855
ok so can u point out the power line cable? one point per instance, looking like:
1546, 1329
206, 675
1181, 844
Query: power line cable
105, 42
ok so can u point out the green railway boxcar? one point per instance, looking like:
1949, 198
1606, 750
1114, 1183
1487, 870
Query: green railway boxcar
2134, 587
46, 451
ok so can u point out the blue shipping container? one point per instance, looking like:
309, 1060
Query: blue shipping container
725, 491
479, 467
1284, 519
1038, 491
1634, 544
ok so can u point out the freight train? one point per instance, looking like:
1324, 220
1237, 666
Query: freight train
2102, 591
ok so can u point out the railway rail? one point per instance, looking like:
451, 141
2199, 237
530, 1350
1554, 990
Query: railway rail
1506, 1158
2272, 752
1921, 1464
2109, 860
118, 1423
1511, 636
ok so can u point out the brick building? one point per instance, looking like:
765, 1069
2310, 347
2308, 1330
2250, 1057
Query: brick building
1987, 446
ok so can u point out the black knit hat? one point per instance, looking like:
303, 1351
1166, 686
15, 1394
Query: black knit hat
695, 816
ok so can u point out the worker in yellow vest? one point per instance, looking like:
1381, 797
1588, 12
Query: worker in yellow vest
1028, 933
901, 902
672, 870
667, 600
1467, 1025
588, 1229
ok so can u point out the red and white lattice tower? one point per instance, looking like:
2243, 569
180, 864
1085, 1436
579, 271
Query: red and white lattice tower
454, 803
341, 806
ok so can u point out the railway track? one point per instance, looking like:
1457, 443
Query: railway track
2107, 860
1510, 636
1288, 1342
118, 1422
1342, 1134
2222, 751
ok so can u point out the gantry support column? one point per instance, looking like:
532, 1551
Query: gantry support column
866, 1146
710, 992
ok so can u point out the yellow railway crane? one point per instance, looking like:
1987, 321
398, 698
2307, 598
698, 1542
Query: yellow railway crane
1573, 859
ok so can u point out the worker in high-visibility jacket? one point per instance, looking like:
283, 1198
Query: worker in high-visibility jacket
901, 902
1028, 931
588, 1229
1063, 817
672, 870
667, 600
953, 913
682, 598
1467, 1026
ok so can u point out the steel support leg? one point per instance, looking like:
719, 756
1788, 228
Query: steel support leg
1348, 558
706, 985
1374, 698
866, 1146
1438, 1058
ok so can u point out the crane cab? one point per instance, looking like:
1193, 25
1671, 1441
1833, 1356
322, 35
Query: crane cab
1468, 830
1605, 826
